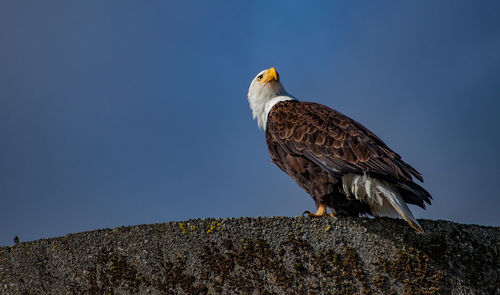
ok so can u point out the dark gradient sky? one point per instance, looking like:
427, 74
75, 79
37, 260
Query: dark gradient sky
129, 112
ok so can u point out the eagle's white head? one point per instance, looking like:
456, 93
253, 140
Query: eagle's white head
264, 92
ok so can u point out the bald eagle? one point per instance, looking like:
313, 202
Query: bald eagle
336, 160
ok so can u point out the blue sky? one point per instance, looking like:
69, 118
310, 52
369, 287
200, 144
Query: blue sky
129, 112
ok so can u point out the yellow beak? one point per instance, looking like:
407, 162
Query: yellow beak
270, 75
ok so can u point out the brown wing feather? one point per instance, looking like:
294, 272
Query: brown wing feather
334, 141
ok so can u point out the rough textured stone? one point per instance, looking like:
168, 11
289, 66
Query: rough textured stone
278, 255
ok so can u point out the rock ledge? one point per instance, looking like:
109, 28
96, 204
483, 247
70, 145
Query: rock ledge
276, 255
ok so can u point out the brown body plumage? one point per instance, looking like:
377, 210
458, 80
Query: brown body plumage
317, 145
335, 159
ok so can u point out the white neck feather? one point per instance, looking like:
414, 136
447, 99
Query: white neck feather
262, 98
262, 107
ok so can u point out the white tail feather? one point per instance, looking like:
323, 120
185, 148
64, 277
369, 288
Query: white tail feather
382, 197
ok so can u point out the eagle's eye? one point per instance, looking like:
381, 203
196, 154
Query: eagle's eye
260, 77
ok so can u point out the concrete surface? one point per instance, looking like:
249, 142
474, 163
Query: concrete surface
276, 255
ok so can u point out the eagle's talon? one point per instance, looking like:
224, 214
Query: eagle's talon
310, 214
320, 213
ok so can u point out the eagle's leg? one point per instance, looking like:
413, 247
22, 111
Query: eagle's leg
320, 213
